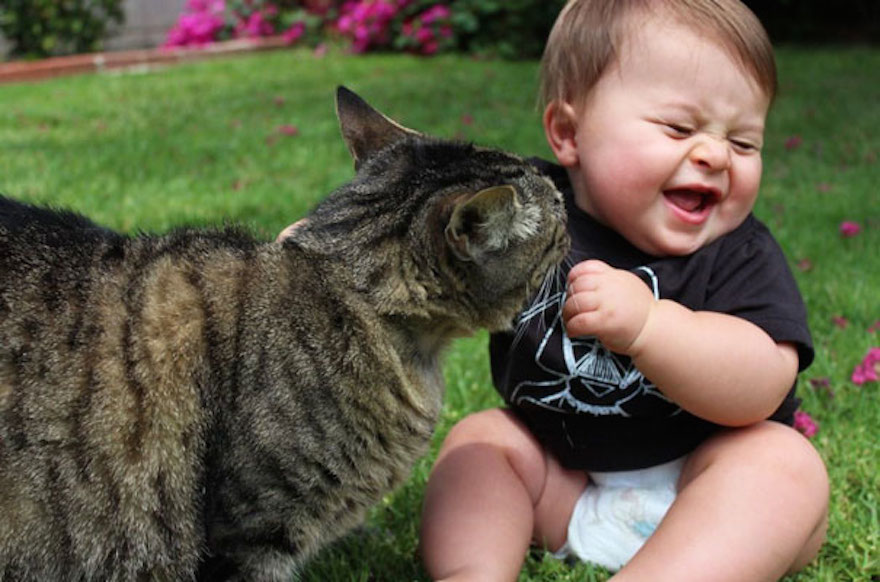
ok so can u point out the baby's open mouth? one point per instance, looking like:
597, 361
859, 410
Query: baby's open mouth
692, 204
691, 200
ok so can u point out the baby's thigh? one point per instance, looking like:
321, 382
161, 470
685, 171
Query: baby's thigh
500, 432
767, 448
767, 472
552, 488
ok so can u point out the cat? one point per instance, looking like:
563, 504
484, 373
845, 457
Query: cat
205, 405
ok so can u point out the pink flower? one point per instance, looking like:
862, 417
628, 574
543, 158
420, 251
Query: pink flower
294, 33
840, 321
367, 22
823, 385
874, 327
215, 6
793, 142
288, 130
426, 31
805, 424
200, 24
256, 25
805, 265
869, 369
436, 12
430, 47
849, 229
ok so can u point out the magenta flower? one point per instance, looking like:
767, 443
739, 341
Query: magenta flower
294, 33
840, 321
805, 424
427, 31
849, 229
874, 327
215, 6
793, 142
199, 25
818, 383
822, 385
869, 369
368, 22
805, 265
436, 12
288, 130
257, 24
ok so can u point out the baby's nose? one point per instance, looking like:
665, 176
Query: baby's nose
711, 153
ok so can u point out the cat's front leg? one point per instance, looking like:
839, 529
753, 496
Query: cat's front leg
267, 565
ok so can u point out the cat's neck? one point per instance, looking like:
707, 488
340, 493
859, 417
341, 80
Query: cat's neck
406, 297
401, 288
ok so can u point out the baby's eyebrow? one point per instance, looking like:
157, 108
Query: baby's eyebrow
750, 128
683, 106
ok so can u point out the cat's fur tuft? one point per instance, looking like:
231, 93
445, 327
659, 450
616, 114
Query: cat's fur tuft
202, 404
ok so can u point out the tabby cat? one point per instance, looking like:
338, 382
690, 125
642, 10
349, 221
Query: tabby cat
205, 405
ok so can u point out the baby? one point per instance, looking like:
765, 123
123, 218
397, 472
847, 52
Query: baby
649, 405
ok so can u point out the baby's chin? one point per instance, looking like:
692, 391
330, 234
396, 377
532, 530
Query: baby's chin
675, 245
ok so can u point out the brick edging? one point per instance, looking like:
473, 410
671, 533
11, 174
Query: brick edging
23, 71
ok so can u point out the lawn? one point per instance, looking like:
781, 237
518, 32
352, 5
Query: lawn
253, 139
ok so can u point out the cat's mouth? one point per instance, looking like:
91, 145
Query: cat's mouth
692, 203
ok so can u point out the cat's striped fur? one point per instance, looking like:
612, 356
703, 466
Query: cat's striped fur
201, 404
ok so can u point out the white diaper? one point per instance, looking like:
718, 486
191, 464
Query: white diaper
618, 511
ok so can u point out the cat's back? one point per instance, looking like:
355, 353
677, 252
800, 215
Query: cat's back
18, 217
102, 337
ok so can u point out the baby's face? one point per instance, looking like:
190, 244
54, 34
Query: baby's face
668, 142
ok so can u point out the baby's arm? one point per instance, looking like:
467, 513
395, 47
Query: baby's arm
716, 366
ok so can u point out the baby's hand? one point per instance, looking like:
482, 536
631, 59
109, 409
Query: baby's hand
611, 304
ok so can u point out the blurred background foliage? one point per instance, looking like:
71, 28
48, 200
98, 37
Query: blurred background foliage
509, 29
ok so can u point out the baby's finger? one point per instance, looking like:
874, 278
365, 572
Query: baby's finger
578, 303
587, 268
581, 324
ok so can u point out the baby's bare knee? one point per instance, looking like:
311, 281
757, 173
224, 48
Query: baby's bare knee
790, 455
499, 432
770, 453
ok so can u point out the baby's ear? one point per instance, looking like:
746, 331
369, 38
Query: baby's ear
487, 221
365, 130
560, 128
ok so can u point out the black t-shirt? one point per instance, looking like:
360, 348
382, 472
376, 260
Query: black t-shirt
592, 408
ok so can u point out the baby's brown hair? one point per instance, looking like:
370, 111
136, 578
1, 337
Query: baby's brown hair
588, 36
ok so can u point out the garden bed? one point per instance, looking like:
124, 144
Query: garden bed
19, 71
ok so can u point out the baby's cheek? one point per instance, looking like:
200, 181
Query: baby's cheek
745, 180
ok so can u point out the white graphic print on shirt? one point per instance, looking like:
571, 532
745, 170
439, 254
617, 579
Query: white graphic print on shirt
580, 375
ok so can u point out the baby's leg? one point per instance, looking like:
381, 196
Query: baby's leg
752, 505
492, 491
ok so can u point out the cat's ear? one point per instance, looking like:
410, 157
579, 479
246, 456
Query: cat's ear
365, 130
487, 221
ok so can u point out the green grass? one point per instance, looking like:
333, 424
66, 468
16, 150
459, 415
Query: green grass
200, 144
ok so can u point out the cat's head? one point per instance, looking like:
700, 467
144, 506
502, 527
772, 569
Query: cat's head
468, 233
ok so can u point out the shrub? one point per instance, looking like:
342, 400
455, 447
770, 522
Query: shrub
207, 21
511, 28
40, 28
